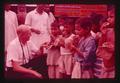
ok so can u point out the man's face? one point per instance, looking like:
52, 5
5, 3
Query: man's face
7, 7
47, 8
40, 8
21, 8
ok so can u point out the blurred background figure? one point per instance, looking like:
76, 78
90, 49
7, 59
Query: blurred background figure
21, 13
11, 23
50, 14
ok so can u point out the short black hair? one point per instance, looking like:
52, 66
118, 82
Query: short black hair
95, 18
85, 23
55, 24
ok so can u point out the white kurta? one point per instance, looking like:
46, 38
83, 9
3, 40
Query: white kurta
11, 23
39, 22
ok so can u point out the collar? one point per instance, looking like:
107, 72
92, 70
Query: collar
35, 10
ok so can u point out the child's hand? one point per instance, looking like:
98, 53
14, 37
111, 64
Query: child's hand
61, 41
108, 45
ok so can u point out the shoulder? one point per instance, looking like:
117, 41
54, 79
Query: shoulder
90, 40
31, 12
12, 13
45, 14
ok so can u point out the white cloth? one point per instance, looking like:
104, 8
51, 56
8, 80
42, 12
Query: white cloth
66, 51
11, 23
93, 34
65, 64
51, 17
15, 52
76, 73
39, 22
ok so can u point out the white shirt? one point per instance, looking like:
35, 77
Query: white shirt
15, 52
11, 23
51, 17
65, 51
41, 23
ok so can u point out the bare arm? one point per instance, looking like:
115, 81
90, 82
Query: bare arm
21, 69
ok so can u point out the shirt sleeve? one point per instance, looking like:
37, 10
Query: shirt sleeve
11, 55
32, 48
89, 50
28, 19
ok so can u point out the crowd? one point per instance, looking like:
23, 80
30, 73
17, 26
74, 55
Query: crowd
39, 45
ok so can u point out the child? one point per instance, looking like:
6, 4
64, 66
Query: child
61, 21
53, 51
95, 32
85, 51
106, 46
65, 61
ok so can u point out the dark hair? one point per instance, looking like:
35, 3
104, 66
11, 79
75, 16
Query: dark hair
85, 23
55, 24
95, 18
111, 8
68, 21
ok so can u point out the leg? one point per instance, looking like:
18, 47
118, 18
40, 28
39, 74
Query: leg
51, 72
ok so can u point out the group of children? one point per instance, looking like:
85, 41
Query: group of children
80, 48
74, 51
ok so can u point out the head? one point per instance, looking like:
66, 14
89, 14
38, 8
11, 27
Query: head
40, 8
111, 16
47, 8
61, 19
83, 26
21, 7
68, 27
55, 28
24, 33
7, 6
95, 18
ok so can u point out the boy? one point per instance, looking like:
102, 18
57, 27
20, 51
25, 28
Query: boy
85, 52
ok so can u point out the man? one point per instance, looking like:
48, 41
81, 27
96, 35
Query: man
20, 51
38, 20
21, 13
11, 23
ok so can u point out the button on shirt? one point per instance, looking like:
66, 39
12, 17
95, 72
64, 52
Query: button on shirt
15, 52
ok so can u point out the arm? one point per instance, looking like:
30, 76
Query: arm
18, 68
89, 47
28, 21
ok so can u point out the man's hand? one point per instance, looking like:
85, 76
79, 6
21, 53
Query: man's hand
35, 31
38, 75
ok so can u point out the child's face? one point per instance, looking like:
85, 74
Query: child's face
80, 31
111, 17
54, 31
61, 21
66, 30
